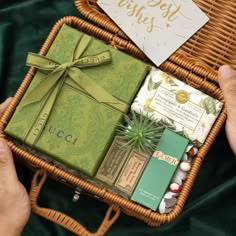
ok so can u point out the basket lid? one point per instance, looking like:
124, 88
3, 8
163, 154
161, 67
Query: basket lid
214, 44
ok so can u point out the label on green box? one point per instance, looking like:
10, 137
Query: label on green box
113, 162
78, 129
159, 170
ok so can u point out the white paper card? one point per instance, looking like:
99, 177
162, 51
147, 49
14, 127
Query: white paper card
157, 27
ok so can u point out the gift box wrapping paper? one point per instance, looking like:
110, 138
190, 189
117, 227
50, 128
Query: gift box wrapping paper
79, 93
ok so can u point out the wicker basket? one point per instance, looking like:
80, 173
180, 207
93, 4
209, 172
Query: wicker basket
213, 45
194, 72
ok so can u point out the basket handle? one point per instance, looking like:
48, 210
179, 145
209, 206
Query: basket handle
61, 218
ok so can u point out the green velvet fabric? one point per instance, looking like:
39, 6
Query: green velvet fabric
211, 206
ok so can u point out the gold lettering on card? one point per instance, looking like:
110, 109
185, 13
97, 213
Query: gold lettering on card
137, 11
168, 11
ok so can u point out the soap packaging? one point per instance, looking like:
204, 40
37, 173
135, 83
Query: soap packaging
180, 107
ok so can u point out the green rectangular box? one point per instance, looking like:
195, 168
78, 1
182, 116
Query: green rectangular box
159, 170
79, 128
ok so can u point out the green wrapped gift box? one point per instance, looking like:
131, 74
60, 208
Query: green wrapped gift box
79, 93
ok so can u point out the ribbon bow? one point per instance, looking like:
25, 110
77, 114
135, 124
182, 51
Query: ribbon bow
57, 73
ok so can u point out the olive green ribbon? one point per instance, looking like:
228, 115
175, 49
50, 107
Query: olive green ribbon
57, 74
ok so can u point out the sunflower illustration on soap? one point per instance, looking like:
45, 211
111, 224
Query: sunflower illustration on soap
147, 105
167, 79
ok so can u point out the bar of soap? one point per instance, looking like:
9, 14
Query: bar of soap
182, 108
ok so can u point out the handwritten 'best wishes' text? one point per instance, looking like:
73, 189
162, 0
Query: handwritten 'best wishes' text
169, 11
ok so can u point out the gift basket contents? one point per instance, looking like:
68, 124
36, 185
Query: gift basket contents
112, 120
115, 118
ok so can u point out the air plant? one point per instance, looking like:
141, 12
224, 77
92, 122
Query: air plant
140, 132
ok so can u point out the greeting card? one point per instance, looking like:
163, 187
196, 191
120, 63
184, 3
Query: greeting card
157, 27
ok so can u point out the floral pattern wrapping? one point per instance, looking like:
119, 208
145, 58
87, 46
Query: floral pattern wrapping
180, 107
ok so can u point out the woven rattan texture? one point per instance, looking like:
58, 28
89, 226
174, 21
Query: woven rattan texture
214, 44
150, 217
62, 219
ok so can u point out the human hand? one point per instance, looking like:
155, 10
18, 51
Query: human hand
14, 200
227, 81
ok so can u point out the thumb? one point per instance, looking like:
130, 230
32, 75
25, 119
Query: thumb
8, 176
227, 81
4, 105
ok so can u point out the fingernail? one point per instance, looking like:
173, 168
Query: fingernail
2, 145
226, 72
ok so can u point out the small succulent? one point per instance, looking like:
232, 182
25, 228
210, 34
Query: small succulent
140, 132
